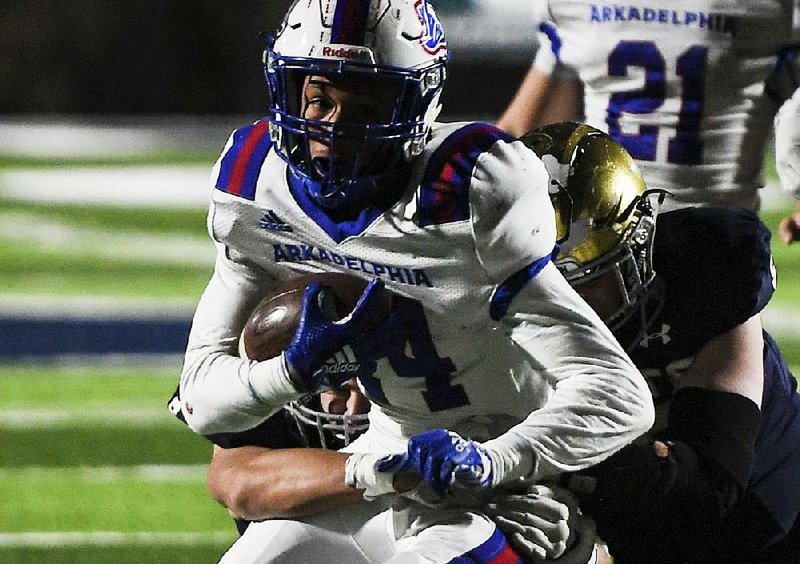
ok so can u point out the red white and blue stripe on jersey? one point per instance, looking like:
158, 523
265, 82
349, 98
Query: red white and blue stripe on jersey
444, 190
241, 164
494, 551
350, 22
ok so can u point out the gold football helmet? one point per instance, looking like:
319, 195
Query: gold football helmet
604, 218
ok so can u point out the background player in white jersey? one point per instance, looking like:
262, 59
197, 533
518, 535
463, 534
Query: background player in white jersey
351, 174
723, 482
787, 152
682, 86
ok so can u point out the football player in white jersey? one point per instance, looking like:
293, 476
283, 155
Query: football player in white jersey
491, 369
787, 160
683, 86
254, 475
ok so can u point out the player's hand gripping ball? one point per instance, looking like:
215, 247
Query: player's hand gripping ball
318, 321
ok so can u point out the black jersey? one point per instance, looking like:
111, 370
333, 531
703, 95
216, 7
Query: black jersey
716, 270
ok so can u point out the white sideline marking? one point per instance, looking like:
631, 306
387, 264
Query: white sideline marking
143, 472
122, 414
110, 538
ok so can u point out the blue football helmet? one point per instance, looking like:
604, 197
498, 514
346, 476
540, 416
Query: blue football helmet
389, 48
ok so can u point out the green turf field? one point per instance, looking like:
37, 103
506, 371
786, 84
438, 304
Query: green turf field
93, 468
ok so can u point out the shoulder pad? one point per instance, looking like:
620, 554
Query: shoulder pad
716, 262
241, 161
444, 189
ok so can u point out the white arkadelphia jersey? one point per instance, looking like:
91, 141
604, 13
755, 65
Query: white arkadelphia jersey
369, 532
492, 329
680, 84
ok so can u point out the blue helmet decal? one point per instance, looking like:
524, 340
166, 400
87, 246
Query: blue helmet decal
433, 39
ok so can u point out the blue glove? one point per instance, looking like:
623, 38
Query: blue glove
443, 459
319, 353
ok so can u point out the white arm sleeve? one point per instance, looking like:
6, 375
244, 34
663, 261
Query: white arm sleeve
601, 401
787, 144
219, 391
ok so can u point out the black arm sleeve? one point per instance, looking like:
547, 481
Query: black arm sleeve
652, 508
721, 426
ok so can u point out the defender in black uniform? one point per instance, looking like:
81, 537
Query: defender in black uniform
717, 479
249, 460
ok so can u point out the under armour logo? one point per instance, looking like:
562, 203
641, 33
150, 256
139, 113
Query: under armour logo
663, 335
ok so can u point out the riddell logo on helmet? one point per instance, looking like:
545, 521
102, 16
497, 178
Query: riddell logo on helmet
345, 53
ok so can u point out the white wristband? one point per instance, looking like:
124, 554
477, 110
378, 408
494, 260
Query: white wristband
360, 473
512, 458
270, 381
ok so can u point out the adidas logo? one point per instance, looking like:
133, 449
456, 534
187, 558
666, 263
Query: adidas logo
342, 362
272, 222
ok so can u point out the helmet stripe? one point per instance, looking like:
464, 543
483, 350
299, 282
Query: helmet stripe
350, 22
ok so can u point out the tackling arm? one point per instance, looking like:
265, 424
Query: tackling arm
260, 483
670, 498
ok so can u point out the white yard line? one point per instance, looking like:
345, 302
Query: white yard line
82, 136
31, 230
110, 538
103, 474
37, 418
182, 186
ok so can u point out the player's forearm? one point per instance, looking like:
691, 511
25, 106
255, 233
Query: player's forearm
600, 402
257, 483
522, 113
221, 392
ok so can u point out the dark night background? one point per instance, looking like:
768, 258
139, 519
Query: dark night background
201, 57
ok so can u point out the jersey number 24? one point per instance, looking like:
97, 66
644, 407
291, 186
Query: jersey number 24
412, 354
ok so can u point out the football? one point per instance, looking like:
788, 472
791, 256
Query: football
270, 327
